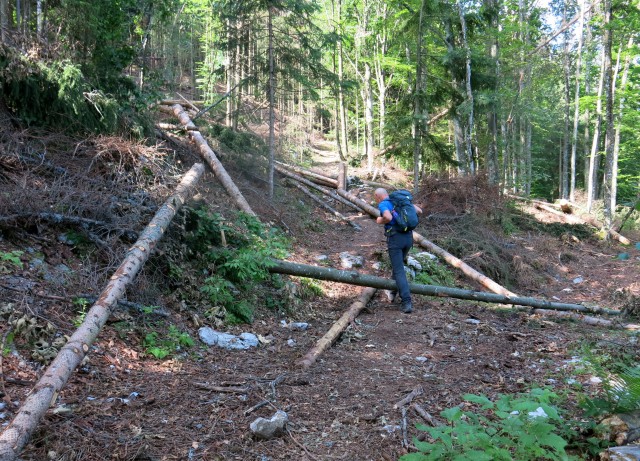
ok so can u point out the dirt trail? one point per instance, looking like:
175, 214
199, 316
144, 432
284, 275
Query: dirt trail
119, 407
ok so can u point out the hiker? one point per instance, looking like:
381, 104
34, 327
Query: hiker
399, 242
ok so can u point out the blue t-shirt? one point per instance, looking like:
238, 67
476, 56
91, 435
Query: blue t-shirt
386, 205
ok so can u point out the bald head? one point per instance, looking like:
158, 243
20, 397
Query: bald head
380, 194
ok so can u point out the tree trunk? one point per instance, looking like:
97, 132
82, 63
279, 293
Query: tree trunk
564, 189
324, 190
4, 20
468, 135
341, 324
610, 165
593, 159
334, 212
359, 279
344, 137
576, 110
272, 102
616, 145
325, 180
209, 155
367, 100
15, 436
419, 112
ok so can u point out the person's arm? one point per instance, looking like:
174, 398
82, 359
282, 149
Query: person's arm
418, 209
385, 218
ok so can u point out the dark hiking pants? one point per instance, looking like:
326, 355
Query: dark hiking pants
399, 245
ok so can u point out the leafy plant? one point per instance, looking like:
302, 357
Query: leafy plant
162, 348
10, 258
81, 304
522, 427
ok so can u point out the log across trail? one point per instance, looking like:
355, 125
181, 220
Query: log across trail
357, 278
16, 435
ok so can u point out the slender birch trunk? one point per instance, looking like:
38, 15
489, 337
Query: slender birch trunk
419, 112
15, 436
576, 110
616, 145
610, 166
368, 116
594, 157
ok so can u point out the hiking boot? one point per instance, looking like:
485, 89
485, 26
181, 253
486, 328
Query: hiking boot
407, 308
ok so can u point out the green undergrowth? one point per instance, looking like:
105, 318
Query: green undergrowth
58, 95
527, 426
219, 266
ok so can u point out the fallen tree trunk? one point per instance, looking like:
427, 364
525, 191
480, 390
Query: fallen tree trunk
317, 187
209, 155
17, 434
446, 256
343, 322
469, 271
315, 176
337, 214
594, 321
357, 278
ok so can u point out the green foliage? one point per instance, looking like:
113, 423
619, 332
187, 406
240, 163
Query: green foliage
82, 304
620, 374
434, 273
244, 261
506, 429
10, 258
174, 341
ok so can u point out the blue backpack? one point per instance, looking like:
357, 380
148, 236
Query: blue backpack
406, 217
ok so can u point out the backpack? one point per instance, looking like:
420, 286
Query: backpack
406, 217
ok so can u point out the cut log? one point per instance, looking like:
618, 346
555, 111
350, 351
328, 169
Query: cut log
209, 155
325, 180
342, 176
357, 278
334, 212
343, 322
17, 434
446, 256
324, 190
594, 321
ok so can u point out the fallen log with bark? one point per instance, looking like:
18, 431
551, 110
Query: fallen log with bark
360, 279
315, 186
445, 255
333, 211
338, 327
324, 180
209, 155
16, 435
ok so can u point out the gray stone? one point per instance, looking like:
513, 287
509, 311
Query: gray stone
349, 261
414, 263
226, 340
270, 428
425, 255
322, 258
301, 326
626, 453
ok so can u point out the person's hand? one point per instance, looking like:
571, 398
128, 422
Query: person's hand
379, 220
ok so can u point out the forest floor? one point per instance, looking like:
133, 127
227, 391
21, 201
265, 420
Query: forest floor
123, 404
